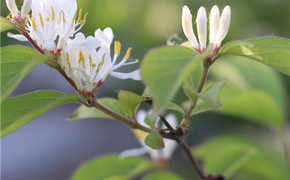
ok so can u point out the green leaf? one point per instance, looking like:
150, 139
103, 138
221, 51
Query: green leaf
162, 176
189, 91
272, 51
225, 155
208, 100
201, 107
254, 91
17, 111
175, 107
210, 96
164, 69
130, 102
111, 166
239, 158
266, 165
16, 62
255, 105
5, 24
154, 140
84, 112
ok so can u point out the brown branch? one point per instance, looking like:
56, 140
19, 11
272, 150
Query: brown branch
123, 119
185, 149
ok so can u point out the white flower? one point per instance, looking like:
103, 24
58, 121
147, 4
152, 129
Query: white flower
218, 27
16, 15
201, 23
163, 154
52, 19
224, 25
87, 61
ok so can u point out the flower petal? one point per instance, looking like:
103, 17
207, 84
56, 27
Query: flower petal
223, 26
133, 152
201, 23
19, 37
187, 26
214, 23
135, 75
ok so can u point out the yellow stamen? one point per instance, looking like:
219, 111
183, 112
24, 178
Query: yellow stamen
63, 17
74, 17
60, 58
137, 61
117, 47
47, 19
41, 21
100, 64
91, 61
80, 15
33, 23
82, 59
8, 16
67, 60
127, 53
63, 67
52, 11
84, 20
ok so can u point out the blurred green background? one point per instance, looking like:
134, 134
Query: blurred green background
141, 24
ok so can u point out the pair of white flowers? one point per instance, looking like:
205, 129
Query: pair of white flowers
53, 26
219, 26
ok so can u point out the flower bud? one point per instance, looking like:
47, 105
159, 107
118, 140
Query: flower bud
201, 23
187, 27
26, 8
214, 23
12, 7
223, 26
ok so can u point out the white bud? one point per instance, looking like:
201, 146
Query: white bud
26, 8
223, 26
187, 26
201, 23
12, 7
214, 23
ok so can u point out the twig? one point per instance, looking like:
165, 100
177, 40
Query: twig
199, 88
123, 119
185, 149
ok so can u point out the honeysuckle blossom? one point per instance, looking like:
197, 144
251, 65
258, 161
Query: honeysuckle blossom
19, 16
156, 155
87, 61
219, 27
52, 20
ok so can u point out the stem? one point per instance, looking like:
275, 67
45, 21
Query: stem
123, 119
185, 149
24, 33
199, 88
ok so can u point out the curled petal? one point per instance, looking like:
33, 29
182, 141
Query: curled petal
223, 26
187, 26
17, 36
12, 7
26, 8
135, 75
214, 23
201, 23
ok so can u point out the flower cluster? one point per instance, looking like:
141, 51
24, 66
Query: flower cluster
156, 155
54, 24
219, 26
